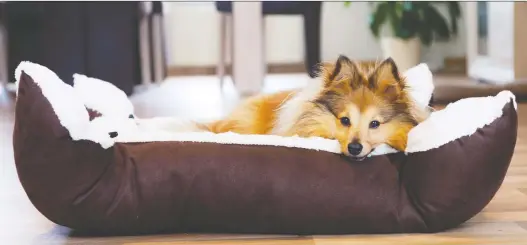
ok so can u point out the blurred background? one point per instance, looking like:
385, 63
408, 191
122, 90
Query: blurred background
198, 59
168, 56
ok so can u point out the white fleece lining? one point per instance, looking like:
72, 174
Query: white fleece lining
314, 143
458, 119
105, 93
69, 109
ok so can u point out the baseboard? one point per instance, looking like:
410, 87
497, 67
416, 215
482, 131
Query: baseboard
453, 65
211, 70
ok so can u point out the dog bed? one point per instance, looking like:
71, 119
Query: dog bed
77, 177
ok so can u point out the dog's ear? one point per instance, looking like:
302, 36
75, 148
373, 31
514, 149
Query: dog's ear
343, 68
385, 80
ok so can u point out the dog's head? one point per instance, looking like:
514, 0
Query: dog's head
362, 106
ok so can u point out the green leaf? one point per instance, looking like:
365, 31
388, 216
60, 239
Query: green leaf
410, 24
454, 11
378, 17
425, 34
409, 19
437, 23
399, 8
394, 19
347, 3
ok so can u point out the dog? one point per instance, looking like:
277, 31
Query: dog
362, 106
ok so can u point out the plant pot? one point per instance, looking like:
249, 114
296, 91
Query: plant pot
405, 53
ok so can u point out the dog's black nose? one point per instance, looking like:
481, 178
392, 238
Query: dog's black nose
113, 134
355, 148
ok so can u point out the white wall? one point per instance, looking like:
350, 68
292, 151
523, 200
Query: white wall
4, 77
193, 35
500, 30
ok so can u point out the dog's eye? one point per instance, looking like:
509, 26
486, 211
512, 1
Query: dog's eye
374, 124
345, 121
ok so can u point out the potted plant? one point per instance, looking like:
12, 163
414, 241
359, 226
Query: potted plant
403, 26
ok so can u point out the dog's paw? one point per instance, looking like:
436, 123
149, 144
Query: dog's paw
382, 149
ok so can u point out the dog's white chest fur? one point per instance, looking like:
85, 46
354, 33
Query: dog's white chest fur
291, 110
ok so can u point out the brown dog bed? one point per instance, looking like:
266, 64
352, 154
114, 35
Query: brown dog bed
171, 186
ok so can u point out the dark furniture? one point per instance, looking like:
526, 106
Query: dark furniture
98, 39
311, 12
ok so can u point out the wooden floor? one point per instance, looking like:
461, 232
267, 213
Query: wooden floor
503, 221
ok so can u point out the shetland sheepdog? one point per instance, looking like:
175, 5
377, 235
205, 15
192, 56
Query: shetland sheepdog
361, 106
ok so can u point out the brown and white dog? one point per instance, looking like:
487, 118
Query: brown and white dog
361, 106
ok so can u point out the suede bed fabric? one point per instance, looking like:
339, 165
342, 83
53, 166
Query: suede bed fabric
162, 187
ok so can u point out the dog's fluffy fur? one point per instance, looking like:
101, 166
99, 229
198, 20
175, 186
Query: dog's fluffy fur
350, 102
